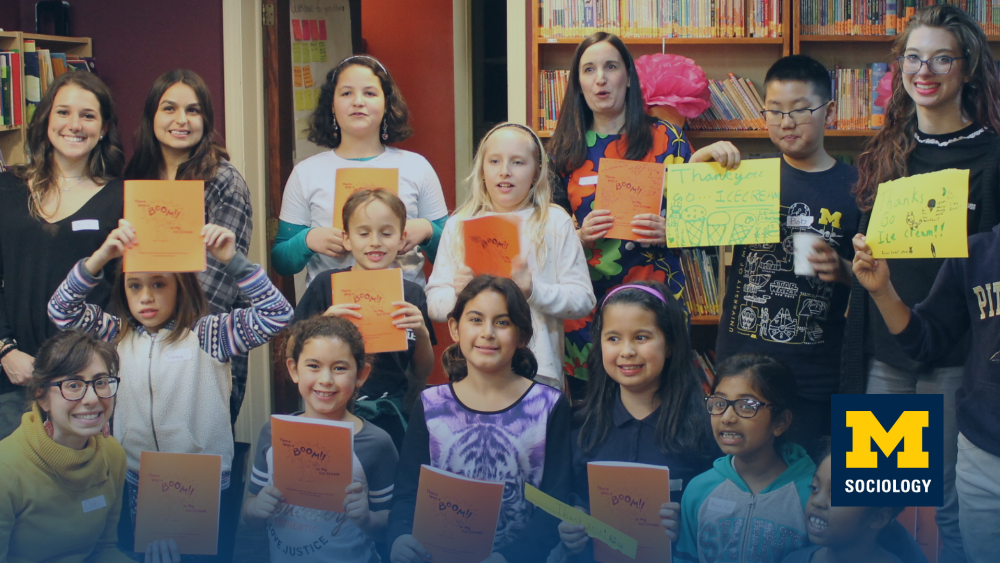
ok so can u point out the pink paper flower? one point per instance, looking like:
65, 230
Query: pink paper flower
672, 80
884, 89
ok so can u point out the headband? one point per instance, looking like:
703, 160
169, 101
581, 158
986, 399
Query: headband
538, 141
373, 59
645, 288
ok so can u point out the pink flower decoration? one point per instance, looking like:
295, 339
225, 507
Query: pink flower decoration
884, 89
672, 80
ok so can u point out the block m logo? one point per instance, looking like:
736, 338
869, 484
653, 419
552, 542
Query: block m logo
827, 218
909, 425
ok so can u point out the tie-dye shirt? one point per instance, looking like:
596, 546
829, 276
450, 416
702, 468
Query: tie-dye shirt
527, 442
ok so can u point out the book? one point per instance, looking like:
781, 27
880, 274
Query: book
6, 107
492, 243
17, 86
635, 19
877, 120
628, 497
456, 517
32, 80
179, 496
350, 180
882, 17
375, 291
735, 105
168, 216
313, 460
628, 188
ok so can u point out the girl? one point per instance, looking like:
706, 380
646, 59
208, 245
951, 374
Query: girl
360, 113
511, 175
942, 114
178, 398
61, 456
326, 359
61, 206
758, 490
602, 117
644, 400
491, 422
176, 141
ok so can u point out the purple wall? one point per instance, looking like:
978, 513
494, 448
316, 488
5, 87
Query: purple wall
137, 41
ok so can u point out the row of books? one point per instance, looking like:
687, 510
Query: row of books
705, 362
736, 106
701, 284
660, 18
10, 88
42, 67
854, 91
552, 86
884, 17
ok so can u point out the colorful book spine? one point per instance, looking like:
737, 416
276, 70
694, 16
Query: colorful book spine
877, 121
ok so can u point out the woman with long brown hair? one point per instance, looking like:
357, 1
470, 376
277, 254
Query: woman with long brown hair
943, 113
54, 210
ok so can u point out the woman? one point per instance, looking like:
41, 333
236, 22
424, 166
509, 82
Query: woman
63, 474
602, 117
176, 141
359, 114
54, 210
942, 114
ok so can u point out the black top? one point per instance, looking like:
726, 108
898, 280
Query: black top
36, 255
388, 374
799, 319
975, 149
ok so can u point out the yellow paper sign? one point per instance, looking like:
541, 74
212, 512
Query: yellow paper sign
595, 528
297, 76
922, 216
708, 205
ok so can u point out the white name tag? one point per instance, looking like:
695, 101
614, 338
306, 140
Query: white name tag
87, 225
177, 355
588, 181
800, 221
93, 504
972, 207
721, 505
676, 484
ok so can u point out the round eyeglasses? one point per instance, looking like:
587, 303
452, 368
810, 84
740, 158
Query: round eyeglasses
744, 408
941, 64
75, 389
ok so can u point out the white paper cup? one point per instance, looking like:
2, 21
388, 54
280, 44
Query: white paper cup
802, 244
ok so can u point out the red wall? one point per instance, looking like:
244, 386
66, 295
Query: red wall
413, 38
137, 41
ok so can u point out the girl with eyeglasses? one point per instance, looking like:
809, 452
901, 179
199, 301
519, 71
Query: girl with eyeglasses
762, 480
63, 473
943, 113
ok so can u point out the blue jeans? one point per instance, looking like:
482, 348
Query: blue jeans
978, 501
885, 379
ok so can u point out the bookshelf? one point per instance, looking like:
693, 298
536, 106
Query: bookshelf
12, 138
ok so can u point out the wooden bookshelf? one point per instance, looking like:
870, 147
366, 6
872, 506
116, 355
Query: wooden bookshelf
12, 136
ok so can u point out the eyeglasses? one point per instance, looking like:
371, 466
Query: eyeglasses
75, 389
941, 64
799, 116
744, 408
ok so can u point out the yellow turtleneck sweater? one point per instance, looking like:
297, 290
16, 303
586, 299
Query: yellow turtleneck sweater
58, 504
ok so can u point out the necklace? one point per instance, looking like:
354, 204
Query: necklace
78, 182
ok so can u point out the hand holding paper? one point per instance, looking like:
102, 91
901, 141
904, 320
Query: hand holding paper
492, 244
220, 241
328, 241
114, 247
628, 189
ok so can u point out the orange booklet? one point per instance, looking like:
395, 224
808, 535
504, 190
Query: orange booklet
628, 188
350, 180
179, 497
168, 217
375, 291
456, 517
313, 459
628, 496
491, 244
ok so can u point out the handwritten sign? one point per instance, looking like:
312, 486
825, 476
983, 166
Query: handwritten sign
492, 243
456, 517
168, 217
313, 460
375, 291
628, 496
628, 188
179, 497
922, 216
594, 527
708, 205
350, 180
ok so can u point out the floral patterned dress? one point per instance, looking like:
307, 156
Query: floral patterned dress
614, 262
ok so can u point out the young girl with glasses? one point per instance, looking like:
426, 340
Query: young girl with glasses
759, 489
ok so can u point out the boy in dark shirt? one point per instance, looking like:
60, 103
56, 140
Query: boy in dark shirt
768, 309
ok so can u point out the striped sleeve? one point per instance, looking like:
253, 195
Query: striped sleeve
378, 457
226, 334
68, 309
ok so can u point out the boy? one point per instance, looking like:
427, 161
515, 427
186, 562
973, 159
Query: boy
768, 309
374, 222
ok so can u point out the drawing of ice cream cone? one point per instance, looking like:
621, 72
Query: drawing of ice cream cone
717, 224
742, 227
694, 224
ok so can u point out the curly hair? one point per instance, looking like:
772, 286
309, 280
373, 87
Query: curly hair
323, 128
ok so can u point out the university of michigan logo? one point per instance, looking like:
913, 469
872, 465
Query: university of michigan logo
887, 450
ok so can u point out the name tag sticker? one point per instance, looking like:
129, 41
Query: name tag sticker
721, 505
87, 225
800, 221
972, 207
177, 355
588, 181
676, 484
93, 504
